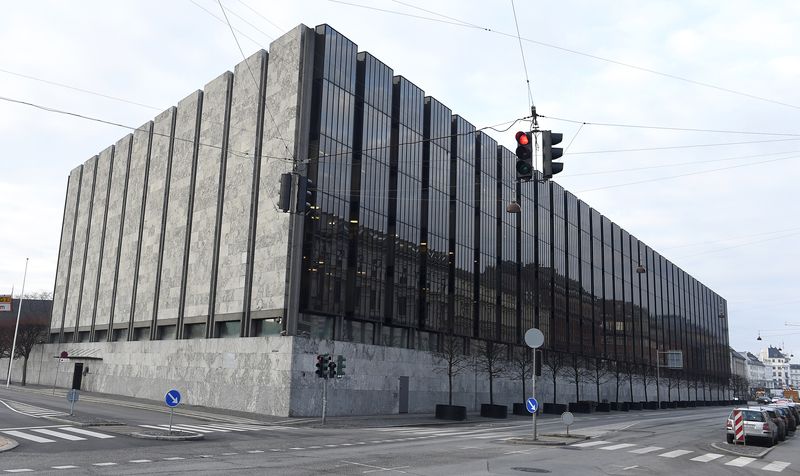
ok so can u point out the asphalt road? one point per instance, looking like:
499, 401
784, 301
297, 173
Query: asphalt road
646, 442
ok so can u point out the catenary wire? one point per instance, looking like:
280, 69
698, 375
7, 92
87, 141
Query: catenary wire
223, 21
278, 27
689, 146
531, 103
579, 53
701, 243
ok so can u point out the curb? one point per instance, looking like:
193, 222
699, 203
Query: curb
84, 423
565, 442
737, 453
186, 436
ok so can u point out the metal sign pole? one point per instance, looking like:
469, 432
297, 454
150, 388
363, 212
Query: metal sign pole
55, 379
533, 392
71, 407
324, 398
171, 413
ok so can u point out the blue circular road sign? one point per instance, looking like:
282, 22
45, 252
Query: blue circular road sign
172, 398
532, 405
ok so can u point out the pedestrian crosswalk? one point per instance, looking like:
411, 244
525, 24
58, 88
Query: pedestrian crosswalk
696, 456
478, 433
218, 427
54, 434
31, 410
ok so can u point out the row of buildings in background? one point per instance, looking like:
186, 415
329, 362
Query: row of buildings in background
770, 371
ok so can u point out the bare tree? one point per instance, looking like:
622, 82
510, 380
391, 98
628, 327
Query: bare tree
555, 362
40, 295
621, 376
6, 336
672, 381
740, 385
576, 373
29, 335
521, 366
599, 372
649, 376
490, 360
451, 354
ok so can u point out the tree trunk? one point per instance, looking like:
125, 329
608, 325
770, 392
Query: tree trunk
644, 380
555, 377
450, 383
630, 384
597, 383
24, 369
523, 386
577, 388
491, 388
617, 392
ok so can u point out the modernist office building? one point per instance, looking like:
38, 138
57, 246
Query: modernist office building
177, 269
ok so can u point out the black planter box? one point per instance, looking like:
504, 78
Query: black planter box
665, 405
673, 404
603, 407
451, 412
683, 404
651, 405
520, 409
581, 407
692, 403
620, 406
700, 403
555, 408
494, 411
635, 406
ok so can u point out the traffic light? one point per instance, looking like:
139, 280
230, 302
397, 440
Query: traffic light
322, 365
285, 194
331, 369
550, 153
306, 194
524, 156
340, 365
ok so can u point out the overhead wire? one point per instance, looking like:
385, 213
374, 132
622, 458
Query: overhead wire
579, 53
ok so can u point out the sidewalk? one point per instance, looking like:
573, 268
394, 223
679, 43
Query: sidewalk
216, 414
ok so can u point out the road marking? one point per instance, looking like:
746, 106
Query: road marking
105, 464
58, 434
81, 431
648, 449
590, 443
675, 454
173, 458
296, 448
229, 454
256, 451
617, 447
140, 461
630, 467
276, 449
707, 457
25, 436
740, 461
377, 468
776, 466
221, 428
65, 467
24, 470
189, 428
329, 446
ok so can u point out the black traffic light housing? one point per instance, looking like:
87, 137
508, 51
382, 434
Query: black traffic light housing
322, 365
524, 154
550, 153
331, 369
341, 364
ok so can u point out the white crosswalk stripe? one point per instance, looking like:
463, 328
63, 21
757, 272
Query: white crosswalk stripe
591, 443
219, 427
675, 453
707, 457
776, 466
54, 434
740, 461
646, 449
617, 447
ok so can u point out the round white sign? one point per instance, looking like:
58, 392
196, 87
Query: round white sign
534, 338
567, 418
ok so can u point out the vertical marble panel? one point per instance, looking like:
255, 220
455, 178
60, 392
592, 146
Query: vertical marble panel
79, 244
153, 214
238, 185
65, 254
130, 228
178, 209
206, 196
280, 126
97, 229
116, 198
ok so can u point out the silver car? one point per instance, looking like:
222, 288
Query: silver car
757, 426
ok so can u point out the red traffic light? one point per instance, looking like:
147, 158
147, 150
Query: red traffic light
522, 138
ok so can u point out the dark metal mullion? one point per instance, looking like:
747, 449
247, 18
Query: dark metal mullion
85, 251
189, 212
132, 318
212, 293
102, 243
119, 240
162, 233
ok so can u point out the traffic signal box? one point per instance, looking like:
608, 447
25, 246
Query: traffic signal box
524, 154
550, 153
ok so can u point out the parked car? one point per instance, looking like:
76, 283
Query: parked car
779, 420
763, 400
757, 426
791, 421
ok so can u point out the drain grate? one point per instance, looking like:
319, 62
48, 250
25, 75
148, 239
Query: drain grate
532, 470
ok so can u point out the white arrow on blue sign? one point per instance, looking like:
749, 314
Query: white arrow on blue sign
531, 404
172, 398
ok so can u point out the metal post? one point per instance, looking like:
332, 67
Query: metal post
71, 406
533, 392
171, 412
324, 398
55, 379
658, 378
16, 327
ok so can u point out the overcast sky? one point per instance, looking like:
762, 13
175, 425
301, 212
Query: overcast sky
727, 66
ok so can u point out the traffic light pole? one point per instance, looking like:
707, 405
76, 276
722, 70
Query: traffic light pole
324, 398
